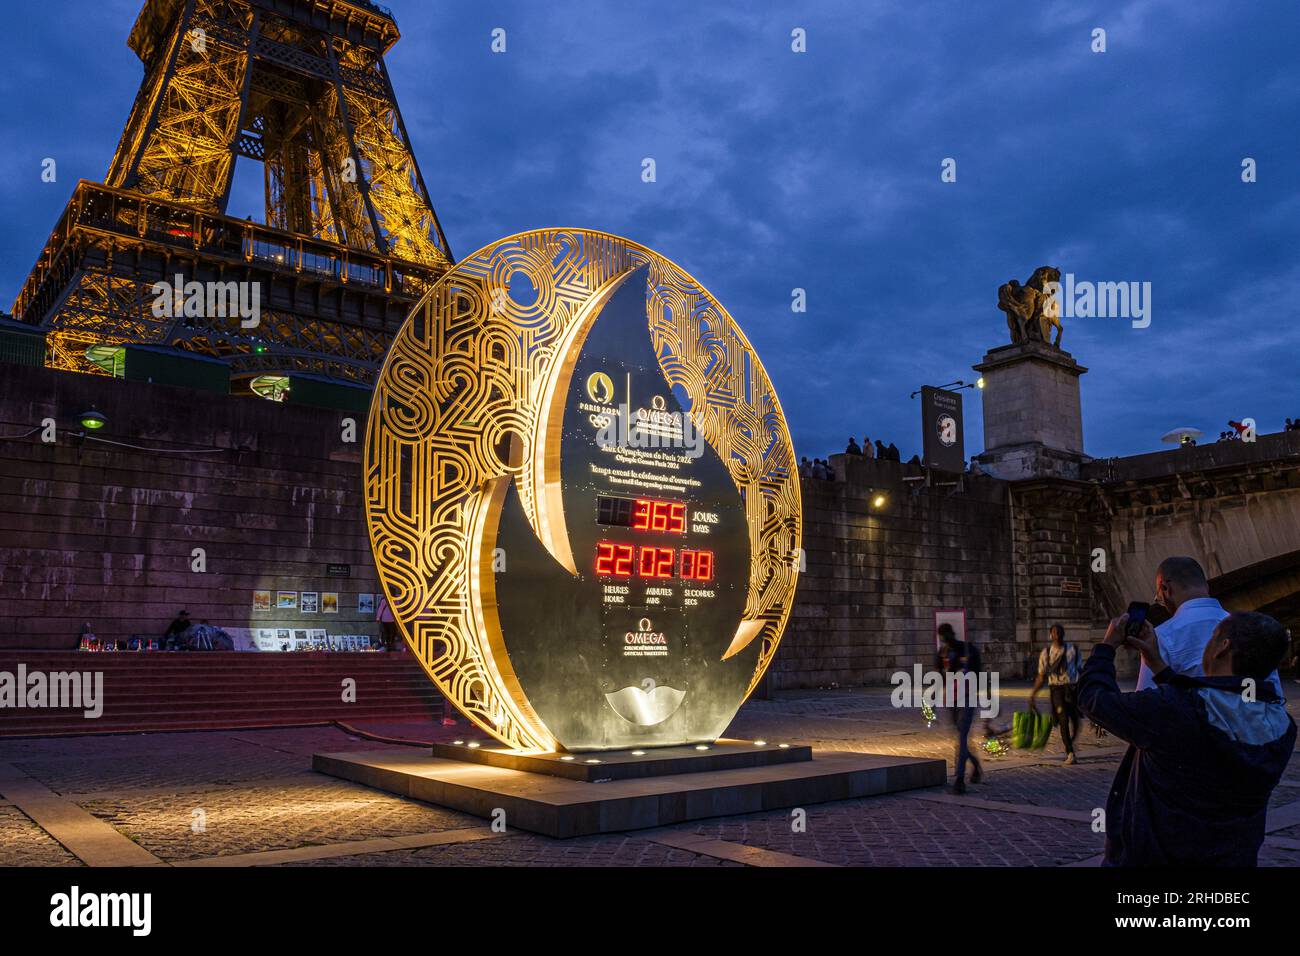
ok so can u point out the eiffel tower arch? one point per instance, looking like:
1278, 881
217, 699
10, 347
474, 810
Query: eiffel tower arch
349, 239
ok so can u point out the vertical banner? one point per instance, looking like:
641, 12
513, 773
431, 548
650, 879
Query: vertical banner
942, 429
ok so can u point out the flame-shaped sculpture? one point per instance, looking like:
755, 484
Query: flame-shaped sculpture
539, 400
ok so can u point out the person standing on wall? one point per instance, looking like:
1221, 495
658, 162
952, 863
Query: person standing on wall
1058, 665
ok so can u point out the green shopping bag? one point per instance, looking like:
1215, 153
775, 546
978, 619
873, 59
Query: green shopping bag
1042, 730
1019, 722
1029, 731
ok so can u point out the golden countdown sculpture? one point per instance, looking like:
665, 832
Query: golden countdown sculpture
582, 496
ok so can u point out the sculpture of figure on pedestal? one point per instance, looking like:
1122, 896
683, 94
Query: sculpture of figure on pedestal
1031, 310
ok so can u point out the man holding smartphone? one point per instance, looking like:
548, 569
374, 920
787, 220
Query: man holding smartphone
1181, 586
1205, 752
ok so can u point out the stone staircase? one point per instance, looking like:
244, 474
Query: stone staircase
162, 691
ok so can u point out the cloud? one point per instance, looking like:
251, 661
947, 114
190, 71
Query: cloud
820, 171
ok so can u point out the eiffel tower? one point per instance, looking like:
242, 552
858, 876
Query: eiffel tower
350, 239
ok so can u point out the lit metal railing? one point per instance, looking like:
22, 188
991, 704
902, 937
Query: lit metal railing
376, 7
122, 214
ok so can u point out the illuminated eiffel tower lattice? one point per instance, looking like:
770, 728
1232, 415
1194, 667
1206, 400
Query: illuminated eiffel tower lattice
350, 238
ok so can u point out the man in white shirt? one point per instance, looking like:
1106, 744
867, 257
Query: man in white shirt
1181, 586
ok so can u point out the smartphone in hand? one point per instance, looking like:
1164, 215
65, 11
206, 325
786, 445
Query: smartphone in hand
1137, 616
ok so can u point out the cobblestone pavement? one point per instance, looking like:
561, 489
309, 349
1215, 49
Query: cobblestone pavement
1083, 786
23, 843
258, 795
863, 719
526, 849
898, 830
310, 811
76, 765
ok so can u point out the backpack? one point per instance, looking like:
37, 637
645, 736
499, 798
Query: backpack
1068, 662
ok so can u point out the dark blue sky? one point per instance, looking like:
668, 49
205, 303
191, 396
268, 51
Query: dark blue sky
821, 170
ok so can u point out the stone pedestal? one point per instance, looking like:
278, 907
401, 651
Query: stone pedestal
1033, 423
541, 794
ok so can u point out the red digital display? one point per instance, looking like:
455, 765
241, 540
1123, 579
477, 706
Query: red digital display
614, 559
665, 516
656, 562
697, 565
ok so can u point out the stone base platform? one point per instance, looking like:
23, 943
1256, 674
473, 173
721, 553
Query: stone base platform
629, 764
558, 806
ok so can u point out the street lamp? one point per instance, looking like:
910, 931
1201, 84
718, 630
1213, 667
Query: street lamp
956, 386
92, 421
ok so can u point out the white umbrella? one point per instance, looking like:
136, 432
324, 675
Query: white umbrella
1179, 435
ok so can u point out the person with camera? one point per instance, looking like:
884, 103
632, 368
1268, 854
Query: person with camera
1184, 591
1205, 752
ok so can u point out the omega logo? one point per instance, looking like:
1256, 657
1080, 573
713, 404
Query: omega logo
645, 634
658, 414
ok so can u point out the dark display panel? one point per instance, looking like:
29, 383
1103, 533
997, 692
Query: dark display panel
660, 543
